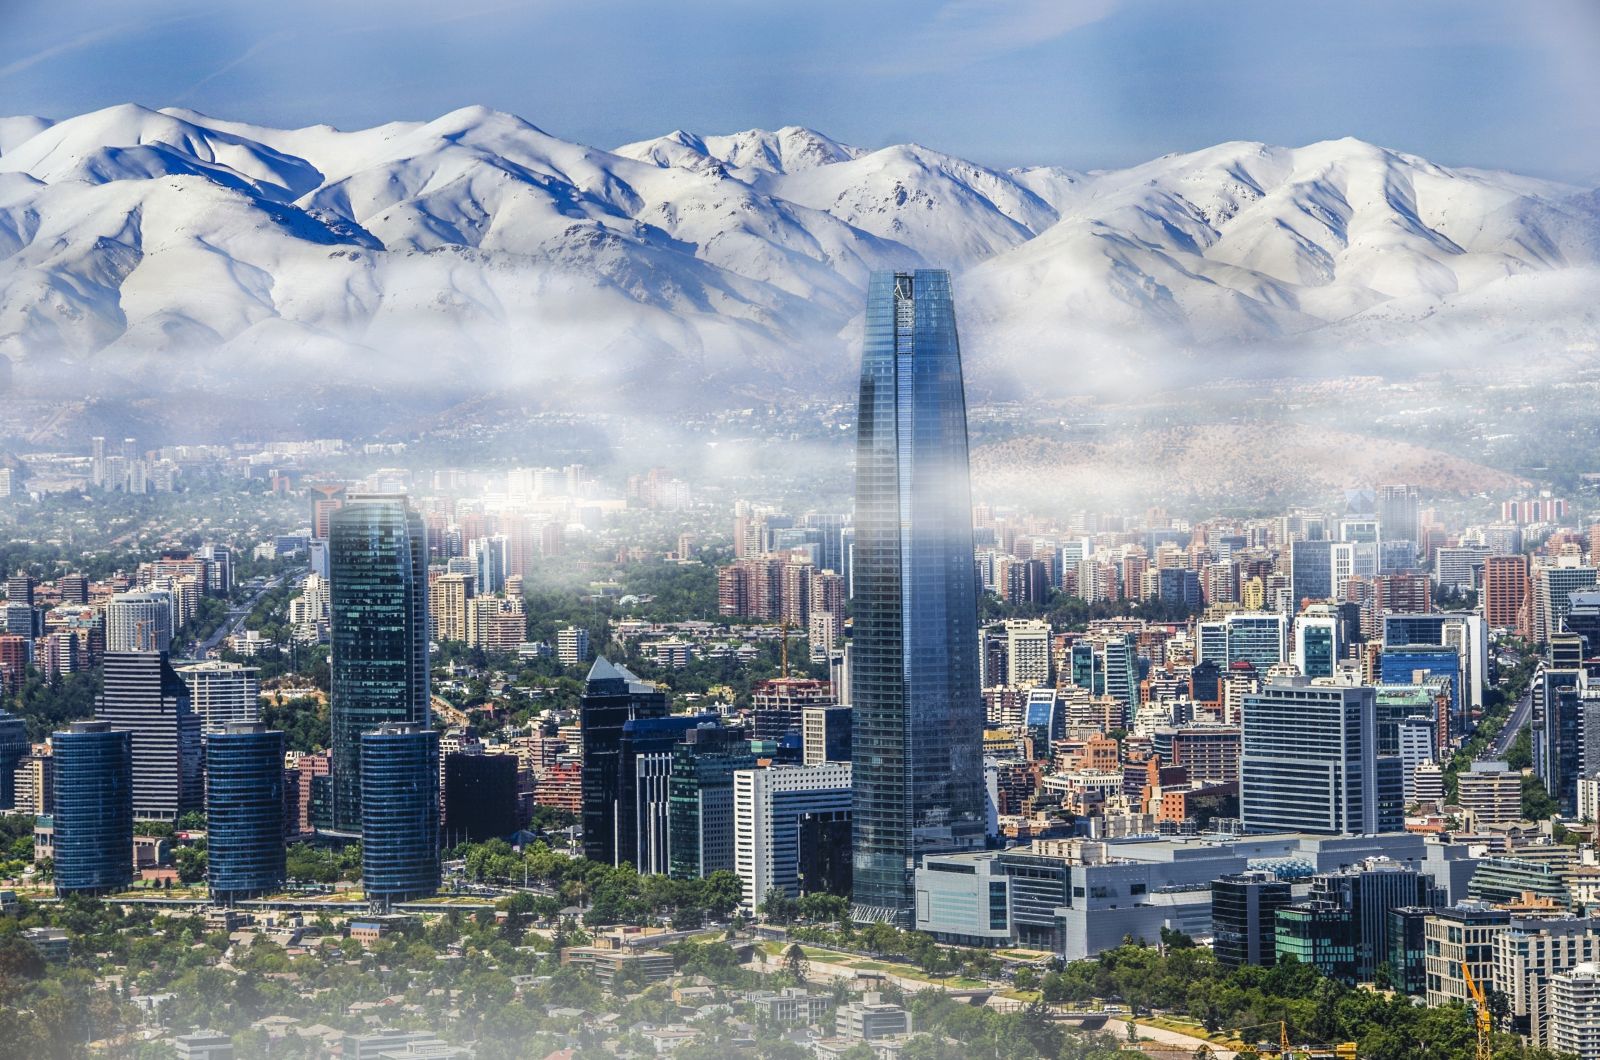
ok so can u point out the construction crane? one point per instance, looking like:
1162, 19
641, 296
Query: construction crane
1484, 1020
1287, 1050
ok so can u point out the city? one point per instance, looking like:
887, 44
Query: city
970, 530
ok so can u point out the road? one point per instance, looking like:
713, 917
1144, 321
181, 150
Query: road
1519, 717
1162, 1036
237, 615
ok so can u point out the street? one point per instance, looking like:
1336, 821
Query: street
1519, 717
238, 613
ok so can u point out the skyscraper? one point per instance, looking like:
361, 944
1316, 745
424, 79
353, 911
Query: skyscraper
1309, 762
143, 694
399, 811
14, 747
378, 559
612, 698
244, 811
918, 718
93, 810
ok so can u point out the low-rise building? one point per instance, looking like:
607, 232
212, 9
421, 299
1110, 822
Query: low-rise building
871, 1018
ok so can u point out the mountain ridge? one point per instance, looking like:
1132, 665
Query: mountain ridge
136, 242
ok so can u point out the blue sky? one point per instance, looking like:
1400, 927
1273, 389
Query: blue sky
1082, 83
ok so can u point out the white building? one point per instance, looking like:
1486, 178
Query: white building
767, 807
1575, 1012
141, 621
572, 645
222, 692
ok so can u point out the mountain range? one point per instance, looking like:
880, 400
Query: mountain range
477, 252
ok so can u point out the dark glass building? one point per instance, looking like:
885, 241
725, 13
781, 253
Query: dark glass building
1311, 570
14, 747
143, 694
612, 698
378, 583
823, 852
93, 808
700, 800
1244, 911
399, 813
918, 714
480, 797
644, 771
244, 811
1342, 928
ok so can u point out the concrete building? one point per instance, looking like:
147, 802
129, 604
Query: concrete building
222, 693
1575, 1012
767, 807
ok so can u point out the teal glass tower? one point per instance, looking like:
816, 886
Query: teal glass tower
93, 808
918, 713
244, 811
378, 591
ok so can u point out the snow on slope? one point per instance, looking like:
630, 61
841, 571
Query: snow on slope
137, 241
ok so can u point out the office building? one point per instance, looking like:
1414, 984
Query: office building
825, 734
644, 770
1460, 934
1257, 638
1309, 761
480, 797
143, 694
399, 809
14, 747
244, 811
612, 698
139, 622
778, 704
1317, 641
377, 565
1311, 571
768, 805
1244, 908
1342, 927
700, 800
918, 716
1399, 514
93, 808
222, 693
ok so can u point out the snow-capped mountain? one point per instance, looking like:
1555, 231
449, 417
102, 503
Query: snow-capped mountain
478, 251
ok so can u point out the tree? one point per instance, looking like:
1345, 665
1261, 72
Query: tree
777, 907
794, 962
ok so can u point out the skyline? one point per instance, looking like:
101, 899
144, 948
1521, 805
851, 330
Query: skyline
1097, 85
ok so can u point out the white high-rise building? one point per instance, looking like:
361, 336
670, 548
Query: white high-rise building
222, 693
1028, 653
572, 645
767, 807
1575, 1012
140, 621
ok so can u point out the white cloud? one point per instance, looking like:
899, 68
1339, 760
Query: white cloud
963, 32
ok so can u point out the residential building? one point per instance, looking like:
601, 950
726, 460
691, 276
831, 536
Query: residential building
222, 693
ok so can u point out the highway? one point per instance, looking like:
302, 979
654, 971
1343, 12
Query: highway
1519, 717
237, 615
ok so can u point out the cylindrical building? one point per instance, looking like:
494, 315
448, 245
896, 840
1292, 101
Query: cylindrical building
93, 808
244, 811
399, 812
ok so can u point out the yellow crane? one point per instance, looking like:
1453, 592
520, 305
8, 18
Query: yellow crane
1483, 1019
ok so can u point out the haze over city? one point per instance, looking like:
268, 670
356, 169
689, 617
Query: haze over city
910, 531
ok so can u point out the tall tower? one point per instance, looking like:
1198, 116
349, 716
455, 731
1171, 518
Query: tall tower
918, 718
244, 811
144, 695
378, 585
400, 818
93, 808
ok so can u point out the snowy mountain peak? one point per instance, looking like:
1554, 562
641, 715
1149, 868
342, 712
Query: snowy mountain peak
135, 242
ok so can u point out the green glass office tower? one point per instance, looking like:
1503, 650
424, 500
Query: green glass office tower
918, 718
378, 586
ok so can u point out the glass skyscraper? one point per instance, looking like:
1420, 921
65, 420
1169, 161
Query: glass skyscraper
93, 808
400, 813
142, 693
244, 811
378, 586
918, 718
